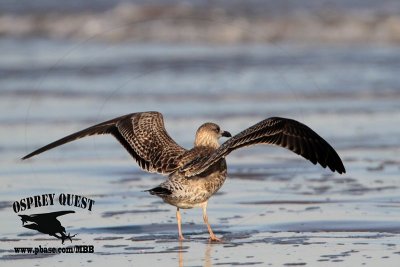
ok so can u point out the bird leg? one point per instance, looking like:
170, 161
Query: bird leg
178, 218
205, 218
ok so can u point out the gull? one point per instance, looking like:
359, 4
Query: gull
194, 175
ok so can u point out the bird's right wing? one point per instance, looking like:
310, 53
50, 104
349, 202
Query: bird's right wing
282, 132
142, 134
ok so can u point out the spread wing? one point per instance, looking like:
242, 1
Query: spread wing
142, 134
282, 132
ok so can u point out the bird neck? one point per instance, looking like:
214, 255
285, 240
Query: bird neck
206, 140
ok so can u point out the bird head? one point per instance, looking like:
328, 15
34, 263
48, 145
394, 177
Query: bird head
208, 135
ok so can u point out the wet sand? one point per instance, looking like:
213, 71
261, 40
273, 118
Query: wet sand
276, 219
275, 209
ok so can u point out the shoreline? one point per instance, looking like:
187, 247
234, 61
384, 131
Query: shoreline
177, 23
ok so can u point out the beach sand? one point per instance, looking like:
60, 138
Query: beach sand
275, 209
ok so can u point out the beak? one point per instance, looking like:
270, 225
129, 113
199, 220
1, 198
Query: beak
226, 134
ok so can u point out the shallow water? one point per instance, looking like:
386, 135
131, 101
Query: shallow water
275, 209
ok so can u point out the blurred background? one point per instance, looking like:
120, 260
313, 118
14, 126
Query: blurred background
332, 64
239, 59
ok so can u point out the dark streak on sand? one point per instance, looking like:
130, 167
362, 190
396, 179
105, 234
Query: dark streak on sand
138, 248
336, 256
10, 239
5, 204
239, 263
12, 257
340, 226
114, 246
108, 238
115, 213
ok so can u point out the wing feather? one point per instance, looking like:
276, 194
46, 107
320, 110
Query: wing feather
142, 134
282, 132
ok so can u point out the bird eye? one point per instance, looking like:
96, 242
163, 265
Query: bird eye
217, 129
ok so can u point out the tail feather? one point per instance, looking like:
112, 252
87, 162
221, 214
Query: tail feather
159, 191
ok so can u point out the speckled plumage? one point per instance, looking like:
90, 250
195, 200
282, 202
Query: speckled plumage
195, 175
188, 193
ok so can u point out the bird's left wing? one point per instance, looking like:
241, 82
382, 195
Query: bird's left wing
282, 132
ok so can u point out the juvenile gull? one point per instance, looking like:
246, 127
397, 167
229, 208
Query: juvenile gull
194, 175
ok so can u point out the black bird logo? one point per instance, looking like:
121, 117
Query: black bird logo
47, 223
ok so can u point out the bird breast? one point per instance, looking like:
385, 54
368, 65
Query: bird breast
190, 192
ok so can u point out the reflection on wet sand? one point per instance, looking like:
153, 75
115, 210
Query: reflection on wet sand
180, 255
207, 255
